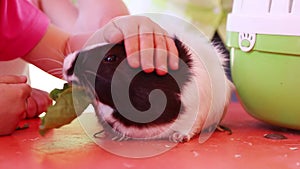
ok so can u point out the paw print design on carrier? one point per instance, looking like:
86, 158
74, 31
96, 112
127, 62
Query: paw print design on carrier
247, 41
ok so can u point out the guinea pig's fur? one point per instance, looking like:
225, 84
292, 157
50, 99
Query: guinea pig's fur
184, 114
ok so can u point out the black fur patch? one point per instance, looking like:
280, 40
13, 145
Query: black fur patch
140, 86
219, 44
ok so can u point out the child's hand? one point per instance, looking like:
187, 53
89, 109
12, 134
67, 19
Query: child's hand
14, 93
37, 103
147, 44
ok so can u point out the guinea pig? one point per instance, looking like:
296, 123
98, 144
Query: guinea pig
122, 95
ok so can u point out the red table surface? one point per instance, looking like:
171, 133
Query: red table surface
70, 147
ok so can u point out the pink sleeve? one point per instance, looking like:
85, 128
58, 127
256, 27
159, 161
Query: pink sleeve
22, 26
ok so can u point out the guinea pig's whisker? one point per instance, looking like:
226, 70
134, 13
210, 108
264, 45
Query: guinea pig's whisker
68, 48
112, 124
91, 87
123, 136
85, 59
115, 127
57, 52
93, 73
56, 71
48, 59
56, 74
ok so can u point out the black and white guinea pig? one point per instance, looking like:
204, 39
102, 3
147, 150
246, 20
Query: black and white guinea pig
183, 114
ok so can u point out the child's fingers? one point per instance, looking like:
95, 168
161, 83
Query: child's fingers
13, 79
23, 90
161, 55
147, 45
37, 103
41, 99
146, 49
132, 47
31, 108
132, 51
173, 59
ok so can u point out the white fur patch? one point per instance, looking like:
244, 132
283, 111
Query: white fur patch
196, 98
68, 62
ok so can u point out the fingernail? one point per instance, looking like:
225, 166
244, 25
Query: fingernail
148, 70
23, 78
174, 66
134, 63
161, 71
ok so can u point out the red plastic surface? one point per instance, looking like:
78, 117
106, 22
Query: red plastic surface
69, 147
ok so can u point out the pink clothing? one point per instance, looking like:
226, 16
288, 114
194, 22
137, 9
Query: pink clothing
22, 26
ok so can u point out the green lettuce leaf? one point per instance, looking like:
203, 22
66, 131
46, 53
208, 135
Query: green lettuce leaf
70, 102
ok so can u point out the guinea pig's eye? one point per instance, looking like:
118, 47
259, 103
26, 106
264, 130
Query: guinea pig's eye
110, 58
